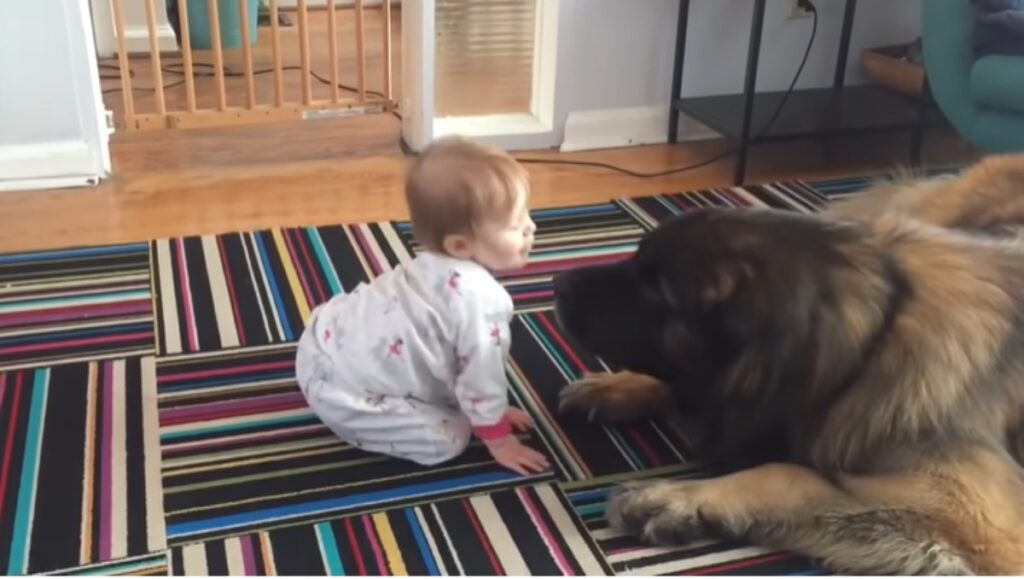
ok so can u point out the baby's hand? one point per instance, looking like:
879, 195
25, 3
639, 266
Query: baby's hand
518, 420
512, 454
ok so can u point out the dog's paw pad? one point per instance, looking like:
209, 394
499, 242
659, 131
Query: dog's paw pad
663, 513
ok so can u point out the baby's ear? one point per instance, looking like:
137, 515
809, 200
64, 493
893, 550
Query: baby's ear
458, 246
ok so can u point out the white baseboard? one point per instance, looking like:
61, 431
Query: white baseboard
610, 128
50, 183
49, 166
136, 39
513, 131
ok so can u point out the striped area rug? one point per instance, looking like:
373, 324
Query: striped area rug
566, 238
147, 565
543, 359
525, 531
63, 503
150, 422
791, 196
241, 450
252, 289
75, 305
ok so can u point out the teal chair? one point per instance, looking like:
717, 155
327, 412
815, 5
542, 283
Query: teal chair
983, 98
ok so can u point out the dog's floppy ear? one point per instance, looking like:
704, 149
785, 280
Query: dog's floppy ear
723, 279
716, 284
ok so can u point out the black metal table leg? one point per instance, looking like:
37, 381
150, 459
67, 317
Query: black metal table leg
844, 44
917, 138
839, 79
682, 25
749, 86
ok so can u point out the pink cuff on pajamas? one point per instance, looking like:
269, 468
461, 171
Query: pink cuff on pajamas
493, 432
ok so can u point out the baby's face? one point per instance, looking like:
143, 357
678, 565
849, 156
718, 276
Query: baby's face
504, 243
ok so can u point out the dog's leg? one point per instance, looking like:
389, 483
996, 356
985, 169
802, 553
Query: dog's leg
920, 523
617, 397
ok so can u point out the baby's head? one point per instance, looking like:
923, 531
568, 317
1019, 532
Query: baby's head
471, 202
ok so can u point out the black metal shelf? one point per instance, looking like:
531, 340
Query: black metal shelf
809, 113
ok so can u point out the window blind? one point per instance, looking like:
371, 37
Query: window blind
484, 56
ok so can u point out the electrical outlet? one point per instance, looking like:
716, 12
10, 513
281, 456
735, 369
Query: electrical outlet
797, 10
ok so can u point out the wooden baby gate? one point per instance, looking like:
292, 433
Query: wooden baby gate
192, 111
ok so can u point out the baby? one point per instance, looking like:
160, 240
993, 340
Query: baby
413, 364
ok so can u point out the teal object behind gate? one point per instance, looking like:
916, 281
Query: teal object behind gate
230, 23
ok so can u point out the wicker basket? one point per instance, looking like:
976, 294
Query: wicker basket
886, 67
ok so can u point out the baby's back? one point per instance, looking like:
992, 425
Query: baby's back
396, 335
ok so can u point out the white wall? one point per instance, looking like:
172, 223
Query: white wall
617, 54
136, 32
52, 125
417, 104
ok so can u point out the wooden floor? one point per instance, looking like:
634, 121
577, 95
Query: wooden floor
168, 183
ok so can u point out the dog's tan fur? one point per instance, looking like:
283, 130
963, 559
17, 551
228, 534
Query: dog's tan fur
916, 468
987, 196
618, 397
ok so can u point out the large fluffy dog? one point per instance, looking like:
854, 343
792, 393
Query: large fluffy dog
859, 375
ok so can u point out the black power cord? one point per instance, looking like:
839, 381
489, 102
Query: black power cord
230, 73
807, 5
140, 88
172, 68
131, 73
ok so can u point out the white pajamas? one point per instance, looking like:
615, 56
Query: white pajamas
412, 364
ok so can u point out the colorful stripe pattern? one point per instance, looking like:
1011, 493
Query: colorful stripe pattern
543, 360
75, 305
799, 196
836, 189
566, 238
242, 450
627, 556
63, 503
791, 196
525, 532
154, 565
106, 452
253, 289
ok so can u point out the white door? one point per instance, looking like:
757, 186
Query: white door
53, 130
480, 68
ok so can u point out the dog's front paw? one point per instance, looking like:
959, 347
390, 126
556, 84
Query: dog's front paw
618, 397
585, 396
665, 512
